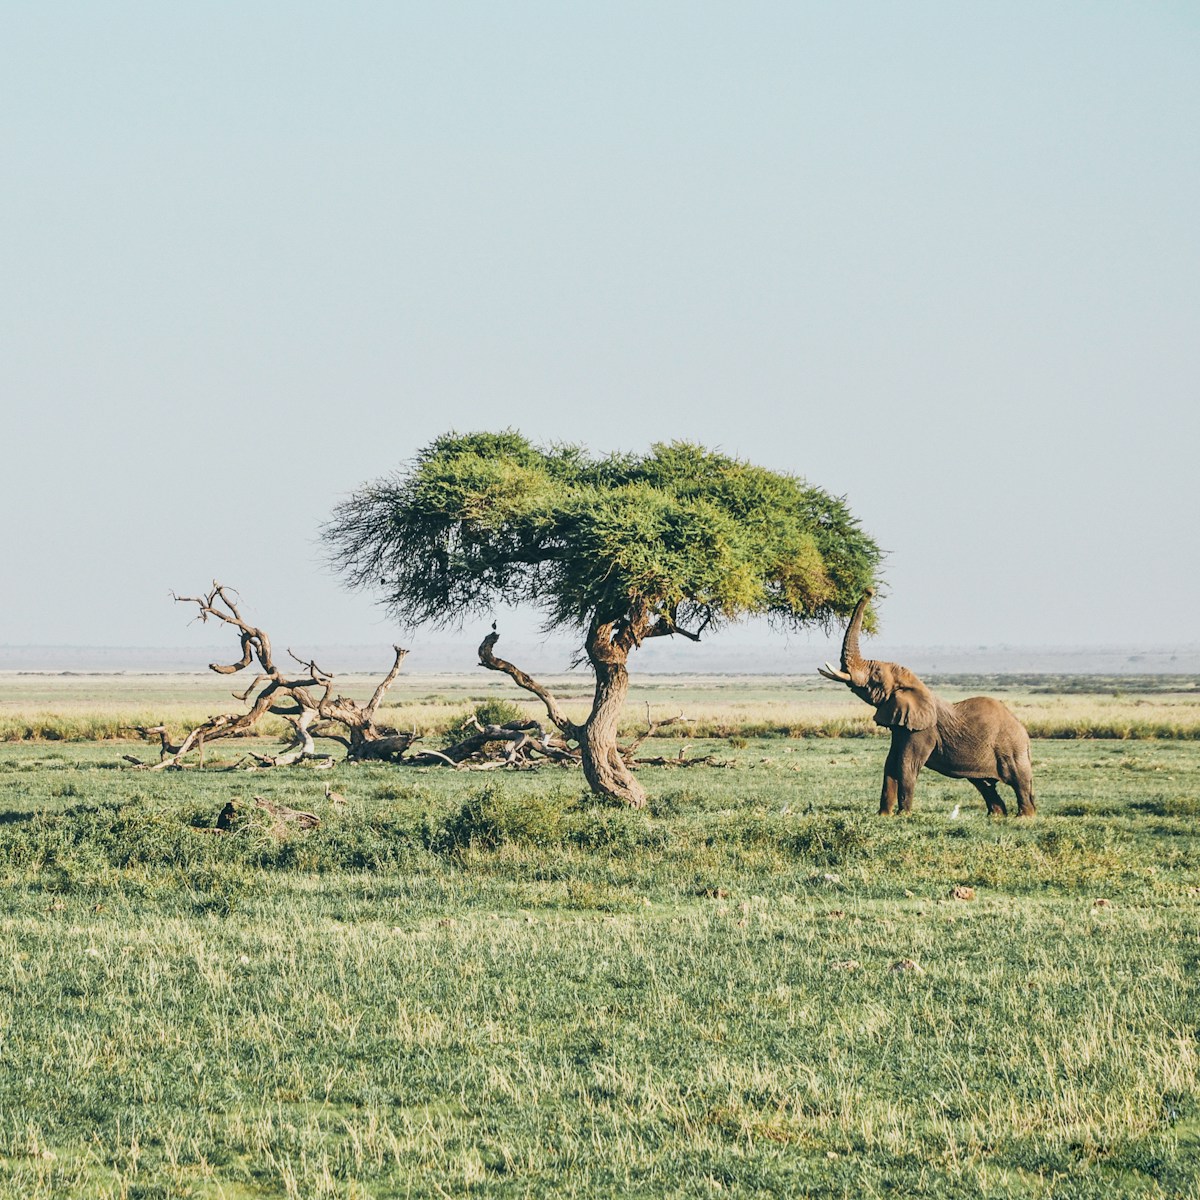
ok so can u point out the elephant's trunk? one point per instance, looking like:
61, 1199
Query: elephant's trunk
852, 658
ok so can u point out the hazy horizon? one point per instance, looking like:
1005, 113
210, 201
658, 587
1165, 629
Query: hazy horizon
548, 657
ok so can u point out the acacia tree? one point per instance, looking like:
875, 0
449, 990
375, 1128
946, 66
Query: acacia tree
619, 549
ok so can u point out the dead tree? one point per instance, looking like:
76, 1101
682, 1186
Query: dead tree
516, 733
305, 700
526, 741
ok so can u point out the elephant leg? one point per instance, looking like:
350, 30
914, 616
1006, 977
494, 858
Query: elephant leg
890, 794
1018, 774
887, 797
991, 797
908, 785
1022, 784
904, 763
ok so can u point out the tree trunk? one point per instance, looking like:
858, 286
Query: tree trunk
605, 770
604, 767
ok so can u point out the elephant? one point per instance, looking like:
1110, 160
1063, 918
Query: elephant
977, 739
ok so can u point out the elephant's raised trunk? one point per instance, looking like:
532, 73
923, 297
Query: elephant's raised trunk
851, 655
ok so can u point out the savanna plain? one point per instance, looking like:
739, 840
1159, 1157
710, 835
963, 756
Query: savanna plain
491, 984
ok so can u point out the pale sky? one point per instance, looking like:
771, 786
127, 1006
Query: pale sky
942, 258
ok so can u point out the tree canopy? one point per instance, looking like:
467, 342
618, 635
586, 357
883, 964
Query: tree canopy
685, 536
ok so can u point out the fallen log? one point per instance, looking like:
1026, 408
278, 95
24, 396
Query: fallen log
284, 820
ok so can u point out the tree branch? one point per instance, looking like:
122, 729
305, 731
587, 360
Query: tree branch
488, 659
652, 727
254, 641
665, 627
386, 682
318, 675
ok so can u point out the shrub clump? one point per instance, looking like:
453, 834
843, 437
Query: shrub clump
615, 831
828, 841
492, 817
494, 711
87, 841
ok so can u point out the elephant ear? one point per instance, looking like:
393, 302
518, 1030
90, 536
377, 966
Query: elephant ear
909, 705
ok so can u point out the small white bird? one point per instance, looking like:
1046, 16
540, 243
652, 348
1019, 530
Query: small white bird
334, 797
954, 814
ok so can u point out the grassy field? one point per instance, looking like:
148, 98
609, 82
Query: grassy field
490, 985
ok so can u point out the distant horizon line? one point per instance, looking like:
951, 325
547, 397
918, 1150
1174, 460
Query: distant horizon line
557, 657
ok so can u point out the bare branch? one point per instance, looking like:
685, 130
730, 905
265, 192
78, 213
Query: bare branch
665, 627
437, 754
557, 750
323, 731
318, 675
488, 659
386, 682
244, 696
254, 641
241, 664
166, 746
652, 727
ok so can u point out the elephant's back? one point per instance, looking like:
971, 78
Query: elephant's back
988, 713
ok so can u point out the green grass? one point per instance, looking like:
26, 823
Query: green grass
490, 985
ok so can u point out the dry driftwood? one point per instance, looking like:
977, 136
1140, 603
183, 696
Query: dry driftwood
512, 744
284, 820
304, 699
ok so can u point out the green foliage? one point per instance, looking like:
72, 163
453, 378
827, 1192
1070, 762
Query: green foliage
695, 535
829, 841
86, 842
497, 711
494, 817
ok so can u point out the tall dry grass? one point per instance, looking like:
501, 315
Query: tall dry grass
105, 708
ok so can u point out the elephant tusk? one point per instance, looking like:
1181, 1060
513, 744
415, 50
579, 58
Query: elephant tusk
831, 672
